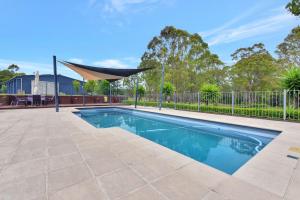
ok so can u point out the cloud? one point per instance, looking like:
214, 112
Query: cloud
278, 20
233, 21
120, 13
127, 62
76, 60
123, 5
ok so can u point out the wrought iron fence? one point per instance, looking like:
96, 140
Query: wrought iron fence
280, 105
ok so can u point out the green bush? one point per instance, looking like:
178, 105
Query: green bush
168, 89
210, 93
275, 113
291, 80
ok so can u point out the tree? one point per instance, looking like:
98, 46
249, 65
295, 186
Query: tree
141, 91
186, 57
76, 86
89, 86
5, 75
210, 93
168, 90
294, 7
289, 50
129, 84
291, 79
13, 68
255, 69
3, 89
9, 73
102, 87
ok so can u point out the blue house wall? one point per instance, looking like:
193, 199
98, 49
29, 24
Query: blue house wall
24, 83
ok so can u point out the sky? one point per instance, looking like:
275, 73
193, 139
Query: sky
115, 33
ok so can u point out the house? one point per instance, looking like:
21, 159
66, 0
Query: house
24, 85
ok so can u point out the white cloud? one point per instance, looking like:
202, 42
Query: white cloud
278, 20
122, 5
227, 24
76, 60
128, 62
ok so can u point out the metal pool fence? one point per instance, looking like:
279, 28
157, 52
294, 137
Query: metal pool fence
280, 105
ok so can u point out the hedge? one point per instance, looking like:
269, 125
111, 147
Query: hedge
272, 112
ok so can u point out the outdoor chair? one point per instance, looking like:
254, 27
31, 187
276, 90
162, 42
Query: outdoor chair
43, 100
18, 100
50, 100
29, 100
36, 100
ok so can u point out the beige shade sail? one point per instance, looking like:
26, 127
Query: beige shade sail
101, 73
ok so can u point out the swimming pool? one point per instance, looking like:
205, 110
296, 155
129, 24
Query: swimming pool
222, 146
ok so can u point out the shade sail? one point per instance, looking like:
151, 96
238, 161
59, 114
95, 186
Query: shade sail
101, 73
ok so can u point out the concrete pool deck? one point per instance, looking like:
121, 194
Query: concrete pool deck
48, 155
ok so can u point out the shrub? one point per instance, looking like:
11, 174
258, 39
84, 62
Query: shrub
291, 80
275, 113
210, 93
168, 89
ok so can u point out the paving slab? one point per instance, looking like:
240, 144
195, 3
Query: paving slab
66, 177
86, 190
177, 187
49, 155
121, 182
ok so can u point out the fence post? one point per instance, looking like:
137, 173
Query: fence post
198, 101
232, 102
284, 104
175, 100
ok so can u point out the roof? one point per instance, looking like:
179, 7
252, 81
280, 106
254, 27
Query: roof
41, 75
101, 73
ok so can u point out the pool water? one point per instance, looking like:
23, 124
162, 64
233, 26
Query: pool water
222, 146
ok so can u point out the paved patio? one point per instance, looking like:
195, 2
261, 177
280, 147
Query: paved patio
48, 155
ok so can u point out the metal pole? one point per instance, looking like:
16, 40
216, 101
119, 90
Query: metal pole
136, 91
83, 93
232, 102
175, 100
284, 104
109, 92
55, 84
162, 86
198, 95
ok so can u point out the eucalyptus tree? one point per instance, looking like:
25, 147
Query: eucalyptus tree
255, 69
13, 68
187, 59
289, 50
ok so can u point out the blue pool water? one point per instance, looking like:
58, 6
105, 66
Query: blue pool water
222, 146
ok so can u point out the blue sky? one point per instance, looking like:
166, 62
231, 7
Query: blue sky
115, 33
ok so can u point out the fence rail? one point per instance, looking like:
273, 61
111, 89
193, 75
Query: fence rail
279, 105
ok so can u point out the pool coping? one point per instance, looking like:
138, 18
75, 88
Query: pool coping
275, 132
255, 171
